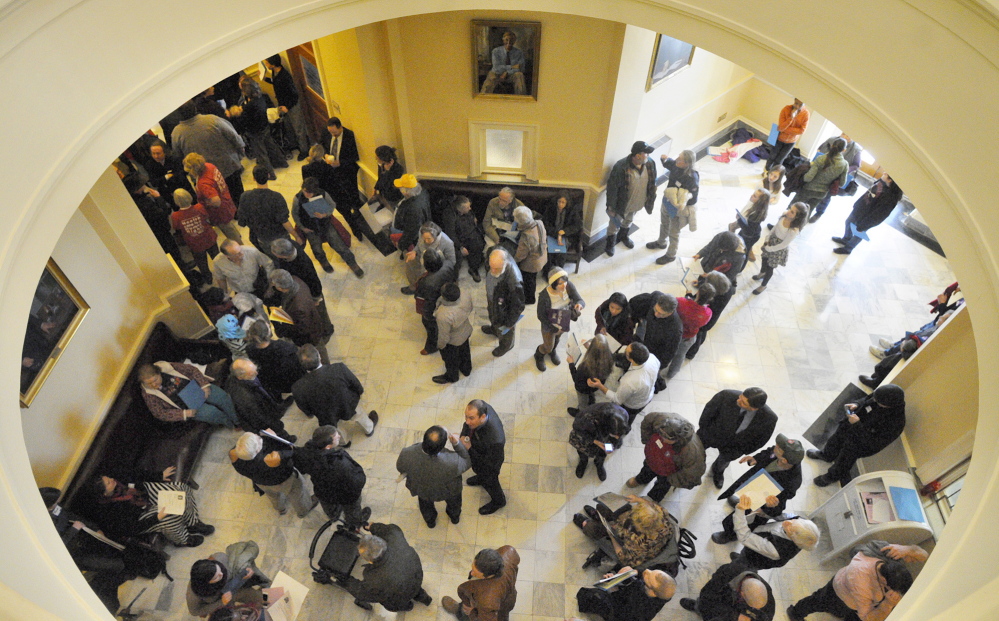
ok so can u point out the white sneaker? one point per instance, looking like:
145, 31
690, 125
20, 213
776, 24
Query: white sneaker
885, 343
877, 352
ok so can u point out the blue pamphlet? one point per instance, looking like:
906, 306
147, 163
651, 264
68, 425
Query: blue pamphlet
772, 138
906, 502
318, 206
861, 234
192, 395
554, 247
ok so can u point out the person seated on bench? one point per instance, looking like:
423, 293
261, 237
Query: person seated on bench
637, 536
225, 578
129, 509
162, 385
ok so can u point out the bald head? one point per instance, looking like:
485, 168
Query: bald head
497, 261
244, 369
754, 592
659, 584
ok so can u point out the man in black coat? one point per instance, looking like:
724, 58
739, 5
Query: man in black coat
277, 361
482, 434
268, 465
265, 213
337, 480
330, 392
393, 573
732, 591
782, 462
504, 298
870, 425
257, 408
736, 424
658, 327
870, 210
341, 149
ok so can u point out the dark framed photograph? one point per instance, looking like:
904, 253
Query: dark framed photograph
505, 59
669, 56
56, 312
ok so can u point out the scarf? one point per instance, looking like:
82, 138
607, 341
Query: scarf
228, 327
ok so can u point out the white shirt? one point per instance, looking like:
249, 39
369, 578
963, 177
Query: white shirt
637, 385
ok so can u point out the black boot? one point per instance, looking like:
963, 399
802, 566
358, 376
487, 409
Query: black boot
622, 236
610, 246
581, 466
598, 462
539, 359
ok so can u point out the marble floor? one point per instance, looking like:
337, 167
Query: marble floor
802, 340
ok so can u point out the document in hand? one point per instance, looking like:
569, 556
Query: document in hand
758, 487
192, 395
560, 317
171, 502
691, 271
288, 607
609, 583
573, 349
554, 247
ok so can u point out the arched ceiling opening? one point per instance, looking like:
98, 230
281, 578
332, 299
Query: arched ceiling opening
913, 79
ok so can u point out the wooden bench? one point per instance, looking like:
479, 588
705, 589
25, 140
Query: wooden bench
130, 441
537, 197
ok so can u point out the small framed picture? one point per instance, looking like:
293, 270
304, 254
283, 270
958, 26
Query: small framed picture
56, 312
668, 57
505, 59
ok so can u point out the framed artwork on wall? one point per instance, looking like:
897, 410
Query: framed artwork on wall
505, 59
668, 57
56, 312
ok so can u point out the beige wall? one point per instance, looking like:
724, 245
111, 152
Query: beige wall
941, 390
109, 254
576, 88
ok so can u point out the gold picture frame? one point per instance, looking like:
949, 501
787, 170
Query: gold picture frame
488, 42
669, 57
57, 309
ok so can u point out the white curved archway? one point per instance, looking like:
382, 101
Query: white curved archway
83, 78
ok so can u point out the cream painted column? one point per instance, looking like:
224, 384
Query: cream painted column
123, 230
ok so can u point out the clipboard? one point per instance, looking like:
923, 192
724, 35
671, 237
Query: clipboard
554, 247
171, 502
691, 271
758, 487
192, 395
741, 219
278, 314
573, 349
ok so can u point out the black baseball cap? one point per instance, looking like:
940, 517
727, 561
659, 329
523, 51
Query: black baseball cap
640, 146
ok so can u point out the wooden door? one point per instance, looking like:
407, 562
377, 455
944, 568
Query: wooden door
310, 87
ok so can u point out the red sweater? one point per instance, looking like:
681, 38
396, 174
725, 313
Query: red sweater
194, 227
692, 315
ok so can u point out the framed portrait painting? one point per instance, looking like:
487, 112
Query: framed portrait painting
668, 57
56, 312
505, 59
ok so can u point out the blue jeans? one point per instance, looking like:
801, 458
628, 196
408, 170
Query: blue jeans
217, 409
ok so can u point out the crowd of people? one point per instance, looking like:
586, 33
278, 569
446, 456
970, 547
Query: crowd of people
268, 304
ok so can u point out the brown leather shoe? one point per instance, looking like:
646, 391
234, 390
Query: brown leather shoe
633, 482
450, 605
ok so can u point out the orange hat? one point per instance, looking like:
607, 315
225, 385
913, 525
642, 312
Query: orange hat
405, 181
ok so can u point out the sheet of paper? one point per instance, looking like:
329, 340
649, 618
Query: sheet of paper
690, 270
171, 502
907, 503
287, 608
573, 348
758, 488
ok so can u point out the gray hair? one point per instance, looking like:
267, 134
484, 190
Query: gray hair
691, 159
249, 445
182, 198
283, 247
719, 281
416, 190
805, 534
507, 190
245, 302
281, 279
665, 301
371, 548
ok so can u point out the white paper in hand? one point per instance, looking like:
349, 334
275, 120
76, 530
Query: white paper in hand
758, 488
171, 502
295, 593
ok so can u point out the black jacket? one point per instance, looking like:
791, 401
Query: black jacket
396, 577
303, 267
410, 215
330, 393
336, 477
386, 182
661, 336
257, 408
323, 173
507, 301
277, 365
728, 262
488, 442
679, 178
259, 472
878, 426
786, 550
617, 186
572, 222
468, 234
875, 205
345, 175
720, 418
789, 479
717, 600
284, 88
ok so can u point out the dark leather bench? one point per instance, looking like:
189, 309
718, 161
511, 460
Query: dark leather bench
130, 441
537, 197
